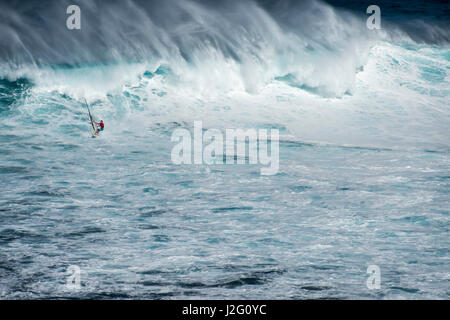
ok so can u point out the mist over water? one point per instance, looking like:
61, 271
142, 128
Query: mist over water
364, 150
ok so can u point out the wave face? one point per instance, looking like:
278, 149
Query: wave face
303, 40
364, 152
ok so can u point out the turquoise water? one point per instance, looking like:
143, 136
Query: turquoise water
363, 180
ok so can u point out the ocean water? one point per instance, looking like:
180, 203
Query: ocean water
363, 179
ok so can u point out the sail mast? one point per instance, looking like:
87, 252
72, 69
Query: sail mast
90, 116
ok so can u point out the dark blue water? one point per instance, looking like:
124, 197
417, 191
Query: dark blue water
364, 150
